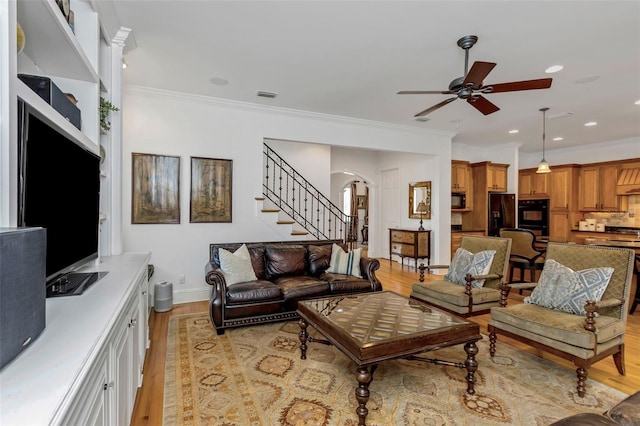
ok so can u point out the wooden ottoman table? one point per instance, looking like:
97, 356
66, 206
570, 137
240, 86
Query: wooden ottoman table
375, 327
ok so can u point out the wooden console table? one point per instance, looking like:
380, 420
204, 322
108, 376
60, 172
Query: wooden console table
409, 243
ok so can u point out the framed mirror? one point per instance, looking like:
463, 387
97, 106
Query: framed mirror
420, 192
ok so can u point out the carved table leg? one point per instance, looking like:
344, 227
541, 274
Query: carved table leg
471, 365
303, 335
364, 376
582, 377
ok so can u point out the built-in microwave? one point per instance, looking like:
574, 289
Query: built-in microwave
458, 200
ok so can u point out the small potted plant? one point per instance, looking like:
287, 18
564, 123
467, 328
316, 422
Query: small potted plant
105, 110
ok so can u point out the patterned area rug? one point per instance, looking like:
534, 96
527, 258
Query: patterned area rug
254, 376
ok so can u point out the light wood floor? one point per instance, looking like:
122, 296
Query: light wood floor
149, 400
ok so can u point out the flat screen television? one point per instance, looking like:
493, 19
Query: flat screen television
59, 190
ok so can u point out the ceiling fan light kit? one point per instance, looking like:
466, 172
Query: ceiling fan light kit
470, 87
543, 166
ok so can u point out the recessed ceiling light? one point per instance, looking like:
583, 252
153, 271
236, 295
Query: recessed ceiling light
637, 102
514, 131
591, 123
553, 68
559, 138
422, 118
218, 81
265, 94
587, 79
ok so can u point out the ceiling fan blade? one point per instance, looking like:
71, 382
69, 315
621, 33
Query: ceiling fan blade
435, 107
482, 104
425, 92
514, 86
477, 73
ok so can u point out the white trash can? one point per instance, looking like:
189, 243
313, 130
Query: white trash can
163, 296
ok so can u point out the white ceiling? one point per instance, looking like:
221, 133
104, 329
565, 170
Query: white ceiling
350, 59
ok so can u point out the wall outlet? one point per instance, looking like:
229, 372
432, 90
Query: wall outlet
181, 279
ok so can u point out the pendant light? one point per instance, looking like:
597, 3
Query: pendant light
543, 166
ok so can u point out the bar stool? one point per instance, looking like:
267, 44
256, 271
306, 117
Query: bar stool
524, 253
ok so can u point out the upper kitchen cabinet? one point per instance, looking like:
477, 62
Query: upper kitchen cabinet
532, 185
493, 176
563, 185
460, 176
598, 189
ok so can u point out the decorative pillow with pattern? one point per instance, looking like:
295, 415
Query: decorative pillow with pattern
567, 290
345, 262
465, 262
236, 266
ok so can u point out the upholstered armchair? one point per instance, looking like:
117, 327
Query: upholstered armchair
467, 298
563, 315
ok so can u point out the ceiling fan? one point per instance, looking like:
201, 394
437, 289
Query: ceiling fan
470, 86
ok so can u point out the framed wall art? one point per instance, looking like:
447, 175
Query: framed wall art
155, 189
361, 201
211, 184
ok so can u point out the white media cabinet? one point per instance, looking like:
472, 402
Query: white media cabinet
86, 366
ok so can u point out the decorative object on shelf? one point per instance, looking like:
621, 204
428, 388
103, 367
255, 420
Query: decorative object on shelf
155, 189
105, 111
71, 20
20, 39
419, 192
543, 167
422, 209
211, 181
64, 8
71, 98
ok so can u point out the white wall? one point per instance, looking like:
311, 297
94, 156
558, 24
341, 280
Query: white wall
609, 151
168, 123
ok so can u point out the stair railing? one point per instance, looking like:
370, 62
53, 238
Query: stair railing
298, 198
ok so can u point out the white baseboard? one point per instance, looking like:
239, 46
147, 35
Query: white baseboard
188, 296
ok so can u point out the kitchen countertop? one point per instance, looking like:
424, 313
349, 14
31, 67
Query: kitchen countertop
459, 231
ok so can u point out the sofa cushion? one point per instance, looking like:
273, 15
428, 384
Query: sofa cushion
626, 413
567, 290
284, 260
257, 261
301, 287
254, 291
341, 283
345, 262
236, 266
558, 325
453, 293
464, 262
318, 258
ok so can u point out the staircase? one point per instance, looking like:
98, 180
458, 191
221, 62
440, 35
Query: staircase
299, 206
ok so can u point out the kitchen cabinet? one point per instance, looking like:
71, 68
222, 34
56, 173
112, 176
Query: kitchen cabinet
85, 367
456, 239
409, 243
559, 225
532, 185
460, 176
563, 201
598, 189
497, 177
486, 177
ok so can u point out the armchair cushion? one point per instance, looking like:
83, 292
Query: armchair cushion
567, 290
464, 262
237, 266
347, 263
558, 326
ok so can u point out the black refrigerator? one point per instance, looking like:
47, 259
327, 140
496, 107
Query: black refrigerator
502, 213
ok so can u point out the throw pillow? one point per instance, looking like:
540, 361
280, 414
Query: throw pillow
347, 263
567, 290
236, 266
464, 262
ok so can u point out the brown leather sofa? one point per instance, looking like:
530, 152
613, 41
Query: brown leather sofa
287, 272
625, 413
